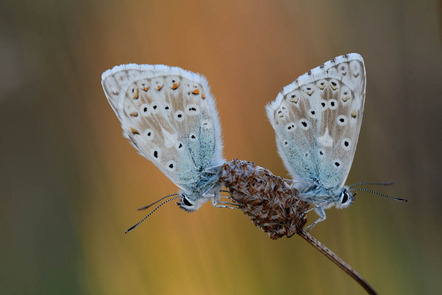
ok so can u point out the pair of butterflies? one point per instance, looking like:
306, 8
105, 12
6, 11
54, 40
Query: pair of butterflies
170, 117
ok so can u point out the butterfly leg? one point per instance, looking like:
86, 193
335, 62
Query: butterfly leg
321, 213
219, 204
311, 209
213, 170
226, 205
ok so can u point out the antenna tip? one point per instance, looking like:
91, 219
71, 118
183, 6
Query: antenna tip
130, 229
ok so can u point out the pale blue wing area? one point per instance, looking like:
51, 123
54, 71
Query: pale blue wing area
170, 117
317, 120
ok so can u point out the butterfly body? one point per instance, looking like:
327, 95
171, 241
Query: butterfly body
169, 116
317, 120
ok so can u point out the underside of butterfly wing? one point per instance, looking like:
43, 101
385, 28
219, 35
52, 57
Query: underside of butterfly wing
170, 117
317, 120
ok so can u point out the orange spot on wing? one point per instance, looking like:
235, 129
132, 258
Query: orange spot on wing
145, 89
203, 96
134, 114
136, 94
134, 131
175, 85
196, 91
294, 100
159, 87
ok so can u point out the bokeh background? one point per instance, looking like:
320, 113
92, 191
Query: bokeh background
70, 183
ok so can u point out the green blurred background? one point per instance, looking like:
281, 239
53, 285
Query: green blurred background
70, 183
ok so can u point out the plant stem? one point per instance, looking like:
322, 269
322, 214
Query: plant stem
338, 261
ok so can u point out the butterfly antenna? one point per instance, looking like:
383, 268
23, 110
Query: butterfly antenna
380, 194
133, 227
372, 183
150, 205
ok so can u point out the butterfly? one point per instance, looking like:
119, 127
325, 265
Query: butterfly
317, 120
169, 116
272, 204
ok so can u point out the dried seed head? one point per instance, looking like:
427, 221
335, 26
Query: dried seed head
267, 199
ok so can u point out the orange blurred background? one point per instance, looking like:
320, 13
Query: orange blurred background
70, 183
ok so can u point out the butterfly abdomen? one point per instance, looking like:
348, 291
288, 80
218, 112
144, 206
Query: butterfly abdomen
268, 200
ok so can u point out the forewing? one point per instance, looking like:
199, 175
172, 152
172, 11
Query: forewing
317, 120
170, 117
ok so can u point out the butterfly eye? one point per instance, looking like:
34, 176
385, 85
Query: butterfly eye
186, 201
344, 198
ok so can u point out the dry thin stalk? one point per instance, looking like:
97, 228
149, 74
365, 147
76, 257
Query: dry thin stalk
272, 205
338, 261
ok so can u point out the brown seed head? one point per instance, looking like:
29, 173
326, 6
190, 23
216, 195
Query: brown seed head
267, 199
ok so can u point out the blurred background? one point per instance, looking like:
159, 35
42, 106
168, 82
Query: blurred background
70, 183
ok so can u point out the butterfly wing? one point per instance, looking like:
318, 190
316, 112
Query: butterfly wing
170, 117
317, 120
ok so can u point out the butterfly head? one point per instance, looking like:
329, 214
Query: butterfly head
345, 198
189, 204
